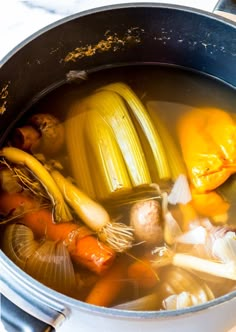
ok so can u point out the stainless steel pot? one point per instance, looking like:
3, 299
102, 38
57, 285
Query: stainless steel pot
208, 44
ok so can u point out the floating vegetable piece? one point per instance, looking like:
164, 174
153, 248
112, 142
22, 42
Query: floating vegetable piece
51, 131
26, 138
180, 193
142, 272
19, 243
188, 216
84, 248
51, 264
148, 302
145, 219
109, 111
178, 301
61, 211
208, 143
176, 280
105, 157
197, 235
172, 229
141, 115
117, 235
8, 180
173, 154
225, 248
108, 287
223, 270
209, 204
47, 261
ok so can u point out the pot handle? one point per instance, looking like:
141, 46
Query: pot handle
15, 319
41, 313
226, 8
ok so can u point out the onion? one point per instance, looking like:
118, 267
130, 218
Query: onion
47, 261
19, 243
148, 302
178, 301
225, 248
177, 280
180, 192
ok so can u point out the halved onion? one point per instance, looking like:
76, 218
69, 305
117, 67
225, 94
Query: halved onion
178, 280
19, 243
148, 302
47, 261
178, 301
51, 265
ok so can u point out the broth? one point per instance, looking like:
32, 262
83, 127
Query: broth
149, 272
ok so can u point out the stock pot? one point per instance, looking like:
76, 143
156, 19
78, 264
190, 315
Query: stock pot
121, 34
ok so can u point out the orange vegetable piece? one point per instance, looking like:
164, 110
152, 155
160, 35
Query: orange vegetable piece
208, 142
108, 287
209, 204
143, 273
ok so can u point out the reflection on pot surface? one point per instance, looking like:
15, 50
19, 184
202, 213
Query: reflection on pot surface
116, 189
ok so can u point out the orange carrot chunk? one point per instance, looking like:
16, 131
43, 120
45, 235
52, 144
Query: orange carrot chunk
108, 287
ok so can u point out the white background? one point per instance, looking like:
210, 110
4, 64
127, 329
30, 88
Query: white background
20, 18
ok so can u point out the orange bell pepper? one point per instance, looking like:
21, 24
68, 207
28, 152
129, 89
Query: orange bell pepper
208, 142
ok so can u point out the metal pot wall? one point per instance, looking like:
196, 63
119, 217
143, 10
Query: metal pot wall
109, 36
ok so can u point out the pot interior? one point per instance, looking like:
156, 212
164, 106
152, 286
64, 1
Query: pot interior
174, 60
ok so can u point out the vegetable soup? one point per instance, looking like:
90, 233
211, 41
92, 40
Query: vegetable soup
118, 188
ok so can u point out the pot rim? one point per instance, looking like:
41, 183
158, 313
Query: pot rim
91, 11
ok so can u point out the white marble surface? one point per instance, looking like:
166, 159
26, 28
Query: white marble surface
20, 18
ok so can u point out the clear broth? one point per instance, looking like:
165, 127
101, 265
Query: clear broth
174, 92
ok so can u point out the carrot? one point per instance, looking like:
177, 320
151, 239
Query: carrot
108, 287
143, 273
84, 248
